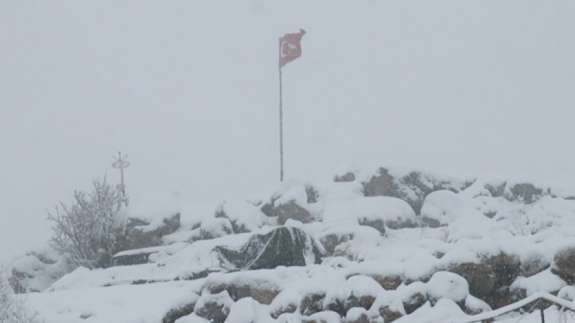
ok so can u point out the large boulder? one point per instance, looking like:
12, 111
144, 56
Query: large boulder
564, 264
345, 177
543, 282
248, 310
389, 306
358, 291
143, 232
181, 310
214, 307
216, 227
243, 285
491, 277
37, 270
481, 278
243, 215
283, 246
322, 317
357, 315
292, 202
346, 240
287, 301
411, 187
442, 208
312, 302
379, 212
522, 192
389, 281
414, 296
447, 285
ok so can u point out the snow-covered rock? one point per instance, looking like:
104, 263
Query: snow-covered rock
564, 264
247, 310
409, 185
390, 245
378, 212
442, 207
214, 307
293, 201
37, 270
448, 285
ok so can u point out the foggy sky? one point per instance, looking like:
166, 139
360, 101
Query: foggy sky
188, 89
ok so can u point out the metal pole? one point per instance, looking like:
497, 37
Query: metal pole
122, 183
281, 119
122, 163
542, 315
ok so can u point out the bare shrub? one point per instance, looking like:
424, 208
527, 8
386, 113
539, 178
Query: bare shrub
91, 229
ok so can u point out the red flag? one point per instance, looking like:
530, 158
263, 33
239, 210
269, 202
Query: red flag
290, 47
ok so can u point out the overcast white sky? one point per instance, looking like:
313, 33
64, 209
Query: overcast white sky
189, 90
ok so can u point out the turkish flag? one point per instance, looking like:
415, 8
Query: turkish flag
290, 47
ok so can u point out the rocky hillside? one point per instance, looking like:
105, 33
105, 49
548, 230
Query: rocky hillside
380, 245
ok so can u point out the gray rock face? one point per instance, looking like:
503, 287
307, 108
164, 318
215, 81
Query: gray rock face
518, 192
138, 236
263, 291
292, 209
132, 259
481, 278
378, 224
284, 246
564, 264
214, 308
312, 303
490, 280
412, 188
178, 312
388, 313
357, 315
347, 177
526, 192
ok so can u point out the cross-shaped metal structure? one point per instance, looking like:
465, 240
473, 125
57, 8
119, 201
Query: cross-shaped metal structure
122, 163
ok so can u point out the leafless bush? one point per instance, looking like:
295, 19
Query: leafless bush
91, 229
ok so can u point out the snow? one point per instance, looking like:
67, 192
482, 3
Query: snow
445, 310
192, 318
544, 281
391, 210
448, 285
325, 317
567, 293
216, 227
285, 299
443, 206
355, 313
125, 304
357, 286
476, 305
247, 310
474, 226
244, 214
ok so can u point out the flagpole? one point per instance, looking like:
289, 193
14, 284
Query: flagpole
281, 118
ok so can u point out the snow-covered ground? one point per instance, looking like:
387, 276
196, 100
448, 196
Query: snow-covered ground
395, 244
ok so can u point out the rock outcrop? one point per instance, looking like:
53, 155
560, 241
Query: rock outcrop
141, 233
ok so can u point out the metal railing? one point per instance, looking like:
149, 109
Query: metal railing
518, 305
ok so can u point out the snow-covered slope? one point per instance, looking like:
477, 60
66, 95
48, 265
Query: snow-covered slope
375, 245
